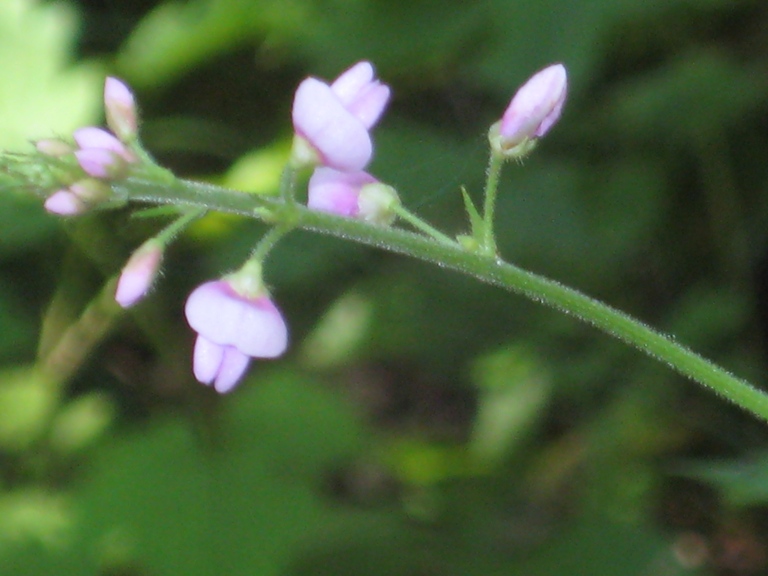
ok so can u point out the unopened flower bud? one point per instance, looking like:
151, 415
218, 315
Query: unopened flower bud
532, 112
377, 203
53, 147
91, 190
92, 138
352, 194
64, 203
120, 109
139, 273
101, 163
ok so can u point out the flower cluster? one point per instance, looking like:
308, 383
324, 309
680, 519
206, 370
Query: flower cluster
332, 125
234, 317
100, 155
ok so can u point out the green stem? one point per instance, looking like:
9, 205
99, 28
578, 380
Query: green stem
173, 229
421, 225
495, 163
288, 184
268, 241
484, 266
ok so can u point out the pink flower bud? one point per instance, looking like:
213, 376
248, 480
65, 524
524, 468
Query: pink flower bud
90, 190
102, 164
139, 273
53, 147
332, 122
120, 109
532, 112
353, 194
64, 203
92, 138
232, 328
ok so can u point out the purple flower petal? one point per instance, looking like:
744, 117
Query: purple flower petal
340, 138
222, 366
64, 203
120, 108
233, 366
139, 273
336, 192
536, 106
100, 163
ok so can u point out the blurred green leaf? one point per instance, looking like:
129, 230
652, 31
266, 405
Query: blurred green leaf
513, 390
242, 504
742, 481
697, 93
177, 36
27, 401
41, 93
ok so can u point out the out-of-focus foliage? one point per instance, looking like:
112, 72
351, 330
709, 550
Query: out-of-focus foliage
42, 90
422, 423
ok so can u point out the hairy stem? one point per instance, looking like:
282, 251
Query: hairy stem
483, 266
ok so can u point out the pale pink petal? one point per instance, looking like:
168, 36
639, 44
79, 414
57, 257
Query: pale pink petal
92, 137
206, 360
340, 138
64, 203
120, 108
262, 332
370, 104
233, 367
214, 310
536, 106
336, 192
100, 163
138, 274
350, 82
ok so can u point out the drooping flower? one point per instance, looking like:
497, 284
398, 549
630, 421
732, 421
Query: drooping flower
233, 327
353, 194
332, 122
120, 109
534, 109
139, 273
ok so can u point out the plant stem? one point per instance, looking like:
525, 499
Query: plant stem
421, 225
495, 163
173, 229
268, 241
484, 266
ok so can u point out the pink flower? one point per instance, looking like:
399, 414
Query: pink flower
352, 194
139, 273
332, 123
120, 109
232, 328
534, 109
